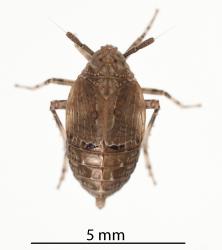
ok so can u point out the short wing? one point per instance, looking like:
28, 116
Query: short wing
81, 115
128, 116
93, 118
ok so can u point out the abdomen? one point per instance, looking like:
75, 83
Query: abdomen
102, 174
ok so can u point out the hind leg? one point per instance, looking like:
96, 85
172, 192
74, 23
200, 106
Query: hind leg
150, 104
53, 107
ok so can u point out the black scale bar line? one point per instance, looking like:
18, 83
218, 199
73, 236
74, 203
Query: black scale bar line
107, 243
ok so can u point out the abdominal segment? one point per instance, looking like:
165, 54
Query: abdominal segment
102, 173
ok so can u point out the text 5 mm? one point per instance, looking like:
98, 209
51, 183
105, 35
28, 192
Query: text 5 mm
104, 236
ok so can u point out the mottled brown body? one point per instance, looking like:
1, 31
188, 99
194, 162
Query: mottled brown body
105, 118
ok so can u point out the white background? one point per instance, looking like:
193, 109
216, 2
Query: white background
185, 145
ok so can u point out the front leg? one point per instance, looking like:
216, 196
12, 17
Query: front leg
59, 81
53, 107
152, 91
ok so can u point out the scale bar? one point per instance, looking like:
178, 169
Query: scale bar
109, 243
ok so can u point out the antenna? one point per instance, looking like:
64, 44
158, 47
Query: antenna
57, 25
165, 32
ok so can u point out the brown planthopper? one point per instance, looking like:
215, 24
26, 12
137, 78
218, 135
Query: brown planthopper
105, 118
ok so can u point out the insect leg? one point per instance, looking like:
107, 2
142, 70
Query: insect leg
60, 105
59, 81
150, 104
142, 36
152, 91
63, 172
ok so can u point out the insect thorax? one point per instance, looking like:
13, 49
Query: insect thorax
107, 70
105, 110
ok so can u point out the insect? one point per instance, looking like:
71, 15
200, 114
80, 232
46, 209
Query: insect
105, 118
